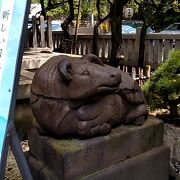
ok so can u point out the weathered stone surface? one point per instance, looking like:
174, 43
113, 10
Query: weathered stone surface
171, 139
151, 165
23, 117
35, 144
24, 89
71, 158
178, 177
39, 170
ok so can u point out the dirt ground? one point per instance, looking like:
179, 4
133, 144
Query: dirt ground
12, 171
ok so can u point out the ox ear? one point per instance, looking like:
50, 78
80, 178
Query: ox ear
93, 59
65, 70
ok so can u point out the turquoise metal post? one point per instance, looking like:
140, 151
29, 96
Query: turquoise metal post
13, 24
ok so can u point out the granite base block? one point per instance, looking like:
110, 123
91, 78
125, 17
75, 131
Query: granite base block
76, 158
151, 165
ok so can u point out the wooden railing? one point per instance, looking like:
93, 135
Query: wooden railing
39, 33
157, 46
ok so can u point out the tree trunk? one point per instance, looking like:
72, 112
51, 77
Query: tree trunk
70, 18
95, 33
173, 108
142, 46
116, 31
43, 11
116, 39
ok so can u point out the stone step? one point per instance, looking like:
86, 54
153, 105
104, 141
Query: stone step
151, 165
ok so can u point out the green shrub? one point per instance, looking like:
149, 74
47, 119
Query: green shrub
163, 88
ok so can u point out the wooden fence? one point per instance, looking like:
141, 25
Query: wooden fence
39, 33
157, 46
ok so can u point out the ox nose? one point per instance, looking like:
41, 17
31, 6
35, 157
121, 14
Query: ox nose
115, 76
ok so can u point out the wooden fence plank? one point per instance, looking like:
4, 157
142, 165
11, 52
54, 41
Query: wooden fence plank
148, 51
34, 31
130, 50
109, 48
157, 47
167, 48
104, 48
49, 33
177, 45
124, 49
100, 48
42, 35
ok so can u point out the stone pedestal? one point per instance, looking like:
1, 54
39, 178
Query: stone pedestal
127, 153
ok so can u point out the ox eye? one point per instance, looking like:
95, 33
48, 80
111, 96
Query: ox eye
85, 72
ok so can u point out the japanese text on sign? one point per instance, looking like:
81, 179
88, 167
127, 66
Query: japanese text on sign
5, 21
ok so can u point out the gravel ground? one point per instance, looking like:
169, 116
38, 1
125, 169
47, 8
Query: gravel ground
12, 171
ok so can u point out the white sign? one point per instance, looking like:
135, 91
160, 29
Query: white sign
5, 22
12, 14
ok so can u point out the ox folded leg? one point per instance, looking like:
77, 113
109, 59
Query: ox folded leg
137, 115
93, 127
103, 129
94, 119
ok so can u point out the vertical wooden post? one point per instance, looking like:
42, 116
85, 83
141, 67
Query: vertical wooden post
147, 71
42, 28
34, 32
141, 76
134, 73
49, 33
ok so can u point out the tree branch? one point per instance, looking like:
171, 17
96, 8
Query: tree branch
109, 1
137, 2
101, 20
43, 11
95, 34
98, 8
53, 6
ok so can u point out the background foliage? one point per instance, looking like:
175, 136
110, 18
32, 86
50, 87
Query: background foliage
87, 8
163, 89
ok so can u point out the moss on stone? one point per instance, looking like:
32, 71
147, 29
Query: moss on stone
66, 146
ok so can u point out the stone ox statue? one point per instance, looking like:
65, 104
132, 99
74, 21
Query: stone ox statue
85, 97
